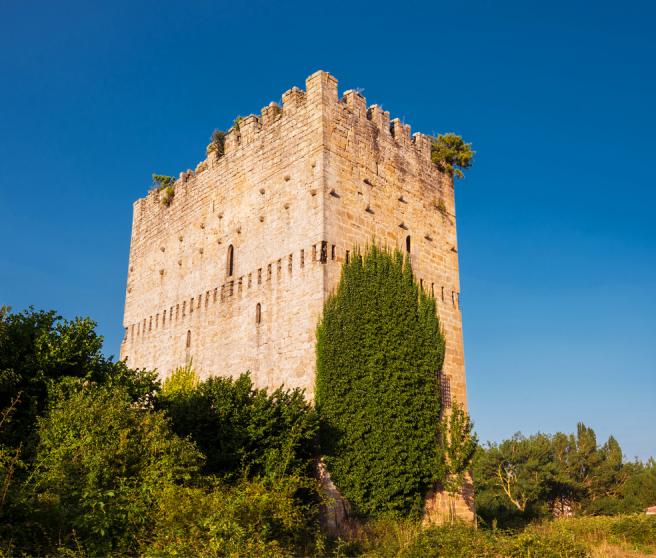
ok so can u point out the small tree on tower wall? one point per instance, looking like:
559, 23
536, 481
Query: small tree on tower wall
379, 351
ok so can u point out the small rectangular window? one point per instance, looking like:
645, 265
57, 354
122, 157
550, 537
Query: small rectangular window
191, 306
445, 389
332, 252
259, 276
302, 258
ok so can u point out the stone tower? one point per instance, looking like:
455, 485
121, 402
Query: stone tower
234, 272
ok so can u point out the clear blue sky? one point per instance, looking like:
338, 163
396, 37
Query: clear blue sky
556, 221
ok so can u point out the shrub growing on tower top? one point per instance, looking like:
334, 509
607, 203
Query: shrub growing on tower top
379, 351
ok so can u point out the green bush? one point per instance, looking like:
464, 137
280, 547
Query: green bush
166, 184
217, 143
379, 351
180, 383
638, 529
102, 462
245, 432
248, 519
451, 154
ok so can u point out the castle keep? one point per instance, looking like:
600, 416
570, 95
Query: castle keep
234, 273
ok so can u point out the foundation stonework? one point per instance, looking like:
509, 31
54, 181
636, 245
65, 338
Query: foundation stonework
298, 189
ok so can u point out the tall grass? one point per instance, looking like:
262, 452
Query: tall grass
597, 537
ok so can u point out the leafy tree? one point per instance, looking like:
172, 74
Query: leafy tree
563, 474
513, 478
639, 490
451, 154
241, 430
38, 349
102, 463
379, 350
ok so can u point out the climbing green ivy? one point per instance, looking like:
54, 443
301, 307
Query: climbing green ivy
379, 351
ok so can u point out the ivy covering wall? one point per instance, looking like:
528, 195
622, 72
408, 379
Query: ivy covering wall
379, 351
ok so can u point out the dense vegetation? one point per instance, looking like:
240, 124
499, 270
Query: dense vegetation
379, 351
98, 459
91, 462
528, 478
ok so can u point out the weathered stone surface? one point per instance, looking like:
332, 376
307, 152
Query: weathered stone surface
298, 189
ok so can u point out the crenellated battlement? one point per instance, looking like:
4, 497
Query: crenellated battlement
318, 104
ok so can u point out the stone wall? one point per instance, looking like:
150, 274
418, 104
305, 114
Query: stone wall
263, 198
299, 189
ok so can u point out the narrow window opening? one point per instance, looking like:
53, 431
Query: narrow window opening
269, 272
332, 252
433, 290
184, 308
164, 319
442, 294
258, 313
259, 276
279, 266
348, 256
214, 296
231, 261
191, 306
290, 263
188, 344
302, 258
324, 251
407, 244
314, 252
421, 285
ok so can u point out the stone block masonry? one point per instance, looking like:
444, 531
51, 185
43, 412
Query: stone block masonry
234, 273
